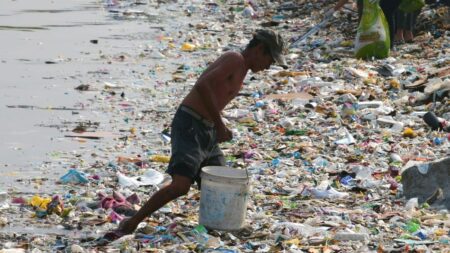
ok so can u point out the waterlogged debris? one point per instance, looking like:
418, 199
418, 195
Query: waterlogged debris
22, 28
4, 198
63, 108
82, 87
92, 135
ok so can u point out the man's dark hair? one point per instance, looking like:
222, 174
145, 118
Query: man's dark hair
254, 42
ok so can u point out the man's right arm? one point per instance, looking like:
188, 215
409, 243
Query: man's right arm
205, 85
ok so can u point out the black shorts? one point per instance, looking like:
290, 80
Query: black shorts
194, 145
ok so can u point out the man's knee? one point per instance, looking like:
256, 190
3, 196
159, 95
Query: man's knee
179, 186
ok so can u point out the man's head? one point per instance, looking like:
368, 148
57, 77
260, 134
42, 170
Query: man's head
269, 47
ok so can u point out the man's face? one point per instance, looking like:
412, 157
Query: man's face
263, 59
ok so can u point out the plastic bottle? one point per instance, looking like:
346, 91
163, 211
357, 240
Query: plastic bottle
320, 162
347, 236
412, 226
258, 115
259, 104
275, 162
248, 12
370, 104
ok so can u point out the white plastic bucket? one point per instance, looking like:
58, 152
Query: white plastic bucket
223, 199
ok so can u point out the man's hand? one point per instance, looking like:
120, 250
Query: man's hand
223, 133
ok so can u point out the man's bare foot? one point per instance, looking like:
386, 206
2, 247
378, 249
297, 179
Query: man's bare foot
398, 38
114, 235
126, 227
408, 36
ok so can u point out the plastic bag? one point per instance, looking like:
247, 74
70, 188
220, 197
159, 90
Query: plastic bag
372, 38
74, 177
150, 177
411, 5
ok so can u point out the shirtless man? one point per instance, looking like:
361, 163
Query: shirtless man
197, 127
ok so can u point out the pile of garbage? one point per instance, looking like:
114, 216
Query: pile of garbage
338, 151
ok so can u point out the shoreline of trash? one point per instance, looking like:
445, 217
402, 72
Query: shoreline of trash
332, 144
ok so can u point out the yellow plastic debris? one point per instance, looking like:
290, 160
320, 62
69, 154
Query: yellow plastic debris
165, 38
188, 47
439, 232
408, 132
395, 84
294, 241
160, 158
370, 80
39, 202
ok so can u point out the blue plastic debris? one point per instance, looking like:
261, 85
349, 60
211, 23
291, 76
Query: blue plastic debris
74, 177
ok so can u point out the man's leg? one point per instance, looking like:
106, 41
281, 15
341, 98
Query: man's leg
359, 6
412, 18
401, 20
178, 187
389, 7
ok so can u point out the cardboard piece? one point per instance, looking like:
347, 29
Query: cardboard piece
290, 96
